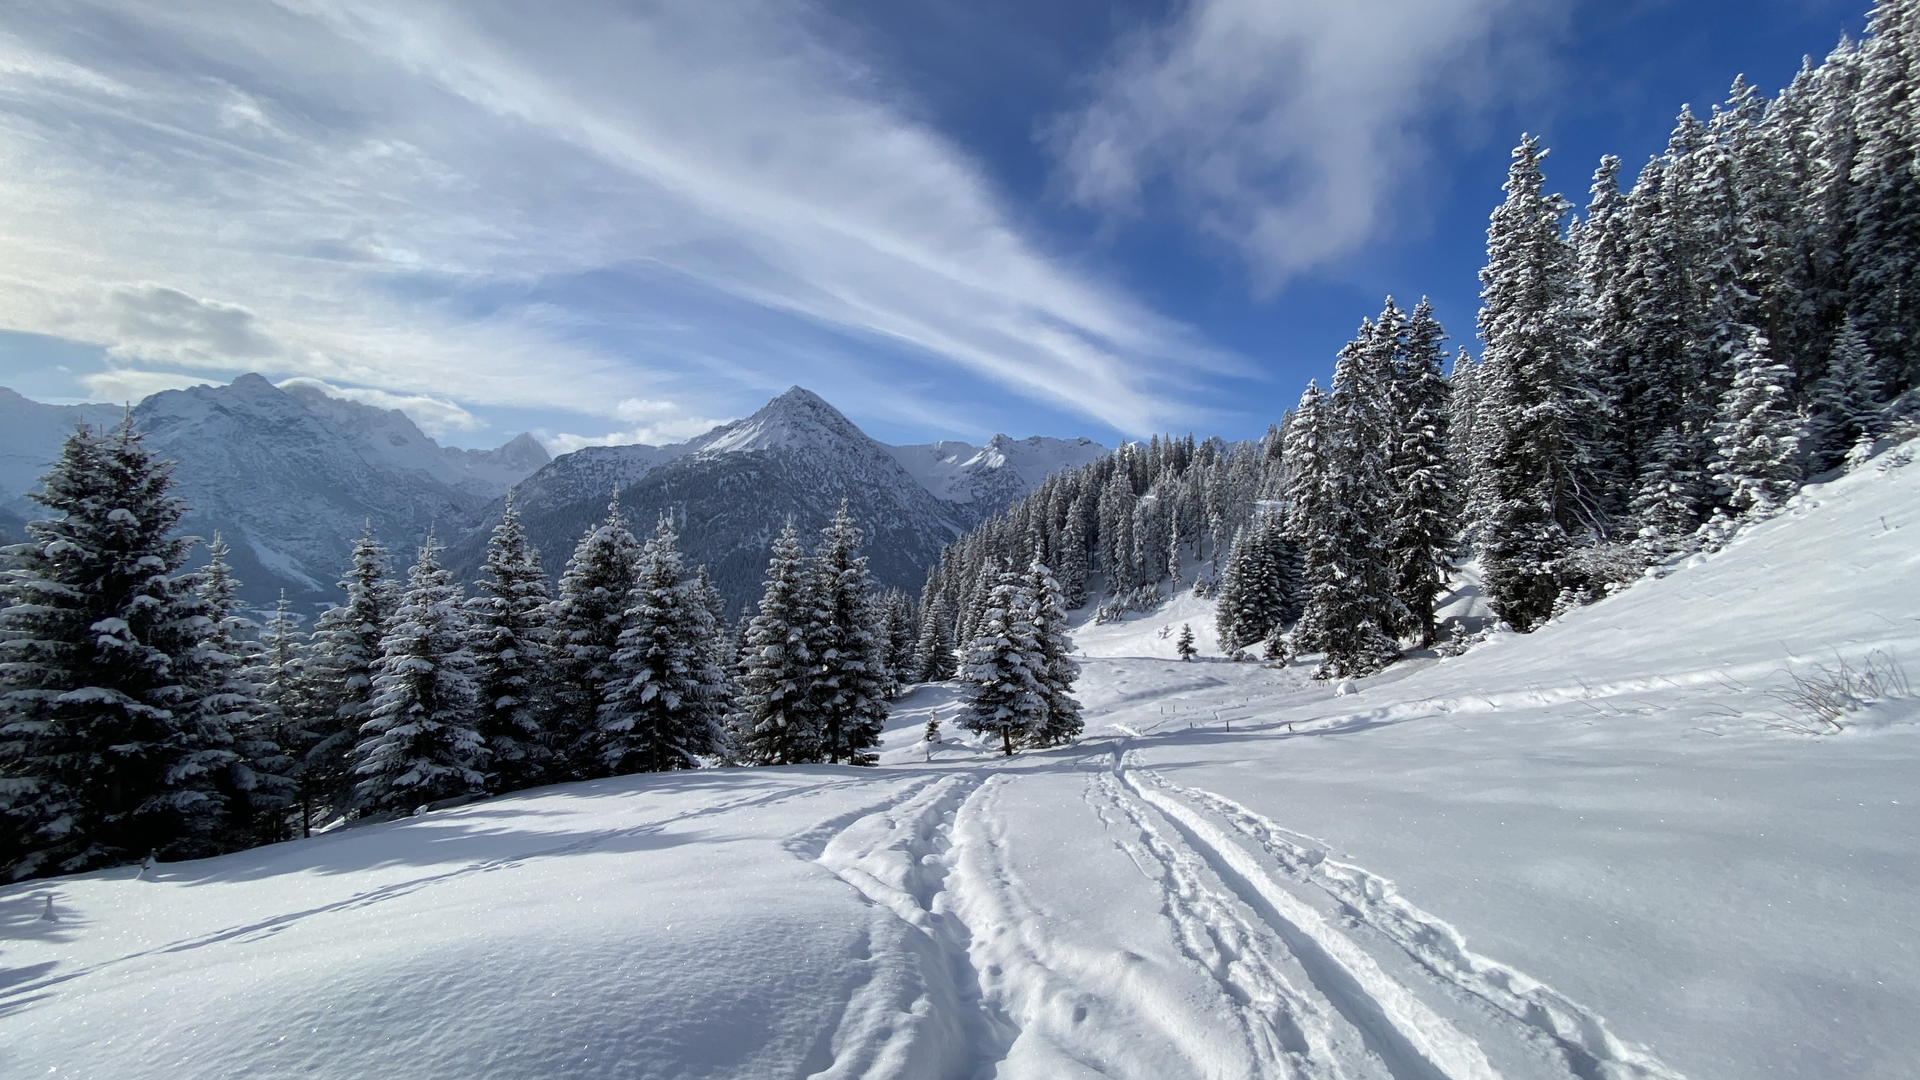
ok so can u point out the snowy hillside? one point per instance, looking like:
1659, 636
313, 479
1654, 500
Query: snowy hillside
1587, 852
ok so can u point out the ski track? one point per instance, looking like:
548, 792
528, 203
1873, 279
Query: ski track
1591, 1050
1287, 1032
924, 1011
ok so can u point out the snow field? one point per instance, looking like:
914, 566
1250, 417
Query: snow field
1589, 852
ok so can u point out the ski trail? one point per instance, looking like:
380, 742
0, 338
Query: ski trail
921, 1013
1415, 1042
1287, 1032
1592, 1050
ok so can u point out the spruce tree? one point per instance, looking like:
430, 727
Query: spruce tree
1004, 694
257, 784
583, 633
1356, 618
775, 723
508, 622
1845, 402
665, 698
1184, 644
934, 652
1054, 668
1421, 515
281, 669
1757, 438
105, 753
344, 657
421, 741
1525, 455
849, 687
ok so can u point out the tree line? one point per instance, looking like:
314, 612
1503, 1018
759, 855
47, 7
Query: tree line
143, 713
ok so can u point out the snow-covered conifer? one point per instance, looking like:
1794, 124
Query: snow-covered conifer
849, 687
583, 632
1183, 645
1757, 463
1004, 695
665, 698
421, 741
1528, 502
1054, 668
775, 723
507, 626
344, 655
1845, 402
103, 756
257, 784
1421, 516
934, 652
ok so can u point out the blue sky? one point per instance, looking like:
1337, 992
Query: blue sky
624, 221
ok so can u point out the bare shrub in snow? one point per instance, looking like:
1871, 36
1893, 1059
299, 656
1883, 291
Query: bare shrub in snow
1819, 698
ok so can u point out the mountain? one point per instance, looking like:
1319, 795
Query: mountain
30, 436
289, 477
732, 489
985, 479
391, 435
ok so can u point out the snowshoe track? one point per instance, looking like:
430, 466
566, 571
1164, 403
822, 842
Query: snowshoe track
1581, 1039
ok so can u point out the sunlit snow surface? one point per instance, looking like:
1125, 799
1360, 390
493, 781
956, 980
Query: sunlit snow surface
1588, 852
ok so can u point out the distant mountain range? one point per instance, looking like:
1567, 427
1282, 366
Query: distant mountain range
291, 476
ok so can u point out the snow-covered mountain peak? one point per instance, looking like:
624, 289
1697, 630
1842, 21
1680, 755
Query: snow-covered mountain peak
797, 419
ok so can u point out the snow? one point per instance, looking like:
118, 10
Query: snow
1586, 852
1001, 470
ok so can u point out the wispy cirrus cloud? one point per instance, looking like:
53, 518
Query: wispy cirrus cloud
1286, 129
503, 204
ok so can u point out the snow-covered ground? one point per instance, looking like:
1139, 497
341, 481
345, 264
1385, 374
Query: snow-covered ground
1588, 852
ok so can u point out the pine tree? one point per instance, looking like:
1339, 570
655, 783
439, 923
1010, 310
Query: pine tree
901, 635
256, 785
282, 672
104, 754
1421, 522
934, 652
583, 633
1356, 617
421, 741
1004, 694
508, 623
775, 723
1666, 504
665, 698
345, 655
1309, 517
1528, 505
849, 683
1845, 403
1756, 438
1054, 668
1260, 587
1883, 252
1184, 644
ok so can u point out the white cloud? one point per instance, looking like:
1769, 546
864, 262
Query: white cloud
132, 385
656, 434
437, 417
1286, 128
359, 170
